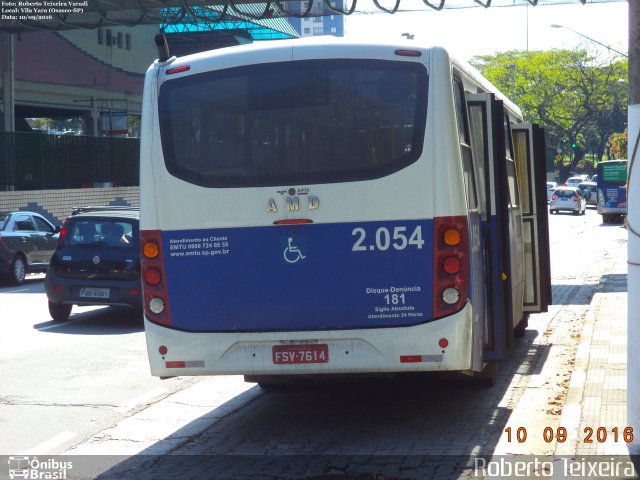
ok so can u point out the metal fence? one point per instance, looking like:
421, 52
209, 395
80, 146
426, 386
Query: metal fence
35, 161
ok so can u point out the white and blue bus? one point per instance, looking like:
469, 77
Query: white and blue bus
612, 190
315, 207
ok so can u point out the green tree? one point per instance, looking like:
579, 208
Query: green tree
577, 98
618, 144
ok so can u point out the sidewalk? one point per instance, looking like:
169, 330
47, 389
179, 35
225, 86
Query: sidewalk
594, 413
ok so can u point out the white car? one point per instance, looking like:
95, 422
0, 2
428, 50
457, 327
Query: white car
575, 181
570, 199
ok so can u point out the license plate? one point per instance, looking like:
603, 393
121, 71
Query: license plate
94, 292
295, 354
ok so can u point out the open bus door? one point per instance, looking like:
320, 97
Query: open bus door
486, 115
529, 146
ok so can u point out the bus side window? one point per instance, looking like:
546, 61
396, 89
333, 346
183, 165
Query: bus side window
465, 145
478, 144
512, 178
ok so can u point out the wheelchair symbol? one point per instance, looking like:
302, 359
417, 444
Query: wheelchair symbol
292, 253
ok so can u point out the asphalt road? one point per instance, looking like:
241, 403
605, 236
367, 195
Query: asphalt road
62, 382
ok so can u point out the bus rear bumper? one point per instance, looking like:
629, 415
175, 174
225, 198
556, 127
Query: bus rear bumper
442, 345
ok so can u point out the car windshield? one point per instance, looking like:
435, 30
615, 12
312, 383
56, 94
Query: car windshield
4, 217
110, 232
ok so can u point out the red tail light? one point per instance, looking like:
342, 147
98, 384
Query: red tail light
575, 199
62, 237
450, 265
180, 69
553, 197
154, 287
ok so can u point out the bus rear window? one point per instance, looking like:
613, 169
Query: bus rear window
314, 121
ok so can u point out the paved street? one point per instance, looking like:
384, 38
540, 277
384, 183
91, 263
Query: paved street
63, 382
417, 428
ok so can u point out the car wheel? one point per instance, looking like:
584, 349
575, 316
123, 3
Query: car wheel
18, 270
60, 311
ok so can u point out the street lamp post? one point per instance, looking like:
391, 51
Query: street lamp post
555, 25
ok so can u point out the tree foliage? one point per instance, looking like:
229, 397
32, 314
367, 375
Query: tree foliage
580, 100
618, 144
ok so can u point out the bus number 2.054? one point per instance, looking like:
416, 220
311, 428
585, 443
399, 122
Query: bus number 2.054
384, 239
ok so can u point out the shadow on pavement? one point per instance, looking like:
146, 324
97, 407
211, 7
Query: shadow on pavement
351, 429
101, 321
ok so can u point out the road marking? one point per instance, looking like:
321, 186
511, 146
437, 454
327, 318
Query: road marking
48, 446
140, 399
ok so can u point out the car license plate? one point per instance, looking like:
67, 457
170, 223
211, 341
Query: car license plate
294, 354
94, 292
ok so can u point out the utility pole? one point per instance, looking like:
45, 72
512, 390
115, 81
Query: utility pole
633, 222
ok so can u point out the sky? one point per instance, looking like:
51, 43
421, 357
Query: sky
482, 31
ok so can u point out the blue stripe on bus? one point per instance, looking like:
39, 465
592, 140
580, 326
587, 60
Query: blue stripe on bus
302, 277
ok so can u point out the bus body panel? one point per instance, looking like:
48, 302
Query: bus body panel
379, 350
376, 259
302, 277
353, 286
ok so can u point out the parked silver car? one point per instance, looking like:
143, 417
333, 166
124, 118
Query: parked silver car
570, 199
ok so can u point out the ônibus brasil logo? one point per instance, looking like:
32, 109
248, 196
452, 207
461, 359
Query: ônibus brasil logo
32, 468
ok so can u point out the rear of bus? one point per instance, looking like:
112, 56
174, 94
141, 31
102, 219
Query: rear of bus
303, 212
612, 190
